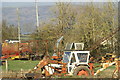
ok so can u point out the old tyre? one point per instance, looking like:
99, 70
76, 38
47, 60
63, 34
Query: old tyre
82, 70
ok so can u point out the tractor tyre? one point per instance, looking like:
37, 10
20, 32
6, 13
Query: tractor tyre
82, 71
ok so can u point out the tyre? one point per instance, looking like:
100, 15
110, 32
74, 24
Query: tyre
82, 71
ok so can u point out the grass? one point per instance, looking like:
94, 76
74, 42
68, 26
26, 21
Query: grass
24, 64
17, 65
20, 64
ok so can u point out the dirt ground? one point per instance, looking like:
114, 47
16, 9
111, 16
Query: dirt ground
11, 74
104, 74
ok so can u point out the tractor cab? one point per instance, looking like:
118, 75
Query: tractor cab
74, 56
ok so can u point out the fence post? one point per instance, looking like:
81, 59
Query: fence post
6, 66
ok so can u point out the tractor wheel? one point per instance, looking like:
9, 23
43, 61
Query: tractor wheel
82, 71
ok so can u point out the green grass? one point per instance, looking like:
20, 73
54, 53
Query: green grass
20, 64
17, 65
26, 65
96, 64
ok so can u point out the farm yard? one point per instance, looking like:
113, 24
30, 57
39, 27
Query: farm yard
60, 40
18, 68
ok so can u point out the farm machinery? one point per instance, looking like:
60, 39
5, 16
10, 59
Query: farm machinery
72, 61
14, 50
20, 50
69, 62
116, 73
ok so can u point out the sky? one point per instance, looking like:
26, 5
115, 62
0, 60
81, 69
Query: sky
9, 3
5, 2
60, 0
25, 4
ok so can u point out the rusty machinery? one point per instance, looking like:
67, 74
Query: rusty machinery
109, 59
22, 50
71, 62
116, 73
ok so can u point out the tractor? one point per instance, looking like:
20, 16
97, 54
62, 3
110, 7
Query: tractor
73, 61
78, 62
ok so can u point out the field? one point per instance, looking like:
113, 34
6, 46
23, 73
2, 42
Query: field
18, 67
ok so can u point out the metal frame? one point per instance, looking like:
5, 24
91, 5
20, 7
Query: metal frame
72, 66
71, 44
80, 44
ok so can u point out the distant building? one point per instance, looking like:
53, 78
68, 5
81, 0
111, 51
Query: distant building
12, 41
26, 37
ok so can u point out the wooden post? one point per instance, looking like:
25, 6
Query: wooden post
21, 72
6, 66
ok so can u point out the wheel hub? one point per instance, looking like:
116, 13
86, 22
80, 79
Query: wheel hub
83, 72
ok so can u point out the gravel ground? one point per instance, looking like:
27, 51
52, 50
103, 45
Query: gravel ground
104, 74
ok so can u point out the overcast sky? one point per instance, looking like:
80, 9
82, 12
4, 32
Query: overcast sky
60, 0
5, 3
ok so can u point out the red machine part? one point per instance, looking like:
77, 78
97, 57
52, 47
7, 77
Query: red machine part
9, 48
24, 47
83, 72
14, 49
